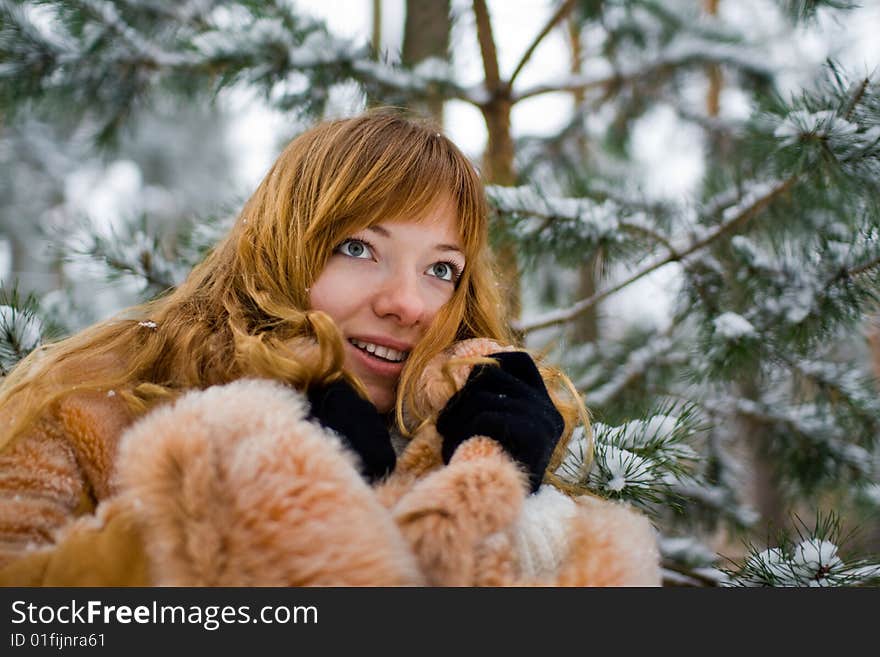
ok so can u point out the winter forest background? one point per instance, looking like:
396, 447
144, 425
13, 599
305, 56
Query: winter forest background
685, 205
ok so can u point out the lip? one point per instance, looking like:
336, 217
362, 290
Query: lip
383, 369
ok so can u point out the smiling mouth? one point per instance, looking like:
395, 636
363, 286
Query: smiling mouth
379, 352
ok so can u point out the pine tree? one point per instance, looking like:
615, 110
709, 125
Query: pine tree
759, 378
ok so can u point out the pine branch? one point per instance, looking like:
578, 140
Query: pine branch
21, 328
812, 559
270, 51
804, 10
858, 269
717, 499
677, 575
842, 386
735, 217
602, 217
633, 369
563, 10
676, 56
146, 54
138, 254
636, 461
817, 431
189, 12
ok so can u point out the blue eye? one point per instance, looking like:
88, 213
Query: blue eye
355, 249
445, 271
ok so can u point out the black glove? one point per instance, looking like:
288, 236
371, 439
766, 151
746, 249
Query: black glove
510, 404
337, 406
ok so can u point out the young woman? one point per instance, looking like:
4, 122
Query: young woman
361, 257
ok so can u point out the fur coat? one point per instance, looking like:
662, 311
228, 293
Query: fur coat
232, 486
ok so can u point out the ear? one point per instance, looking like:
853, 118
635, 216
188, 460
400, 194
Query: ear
443, 376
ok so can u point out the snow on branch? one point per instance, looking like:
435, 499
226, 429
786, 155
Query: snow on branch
813, 559
684, 51
635, 367
734, 217
106, 14
269, 46
716, 498
807, 422
137, 254
635, 461
597, 220
843, 137
833, 127
804, 297
21, 329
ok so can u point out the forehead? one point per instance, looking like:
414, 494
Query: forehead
439, 222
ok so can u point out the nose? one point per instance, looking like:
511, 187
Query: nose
400, 298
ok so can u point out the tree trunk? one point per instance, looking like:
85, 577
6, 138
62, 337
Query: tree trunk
873, 336
585, 328
713, 72
426, 34
377, 28
498, 166
716, 81
766, 495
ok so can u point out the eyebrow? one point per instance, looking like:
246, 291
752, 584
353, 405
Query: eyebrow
440, 247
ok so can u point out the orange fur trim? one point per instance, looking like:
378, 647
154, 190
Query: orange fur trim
235, 488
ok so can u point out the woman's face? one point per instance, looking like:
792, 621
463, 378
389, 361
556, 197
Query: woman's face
383, 286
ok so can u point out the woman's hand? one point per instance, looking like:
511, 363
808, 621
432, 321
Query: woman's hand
337, 406
510, 404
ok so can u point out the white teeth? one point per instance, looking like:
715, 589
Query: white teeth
386, 353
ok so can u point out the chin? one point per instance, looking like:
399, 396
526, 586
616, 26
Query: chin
383, 400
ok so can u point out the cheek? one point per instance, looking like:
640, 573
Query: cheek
435, 304
329, 292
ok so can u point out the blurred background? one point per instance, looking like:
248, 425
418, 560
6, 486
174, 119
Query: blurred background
684, 208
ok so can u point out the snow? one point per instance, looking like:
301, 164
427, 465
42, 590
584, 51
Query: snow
433, 68
321, 48
816, 555
637, 433
143, 48
752, 196
637, 363
796, 302
772, 561
623, 469
394, 77
528, 200
715, 497
573, 467
733, 327
26, 327
597, 220
872, 493
822, 124
5, 259
685, 549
